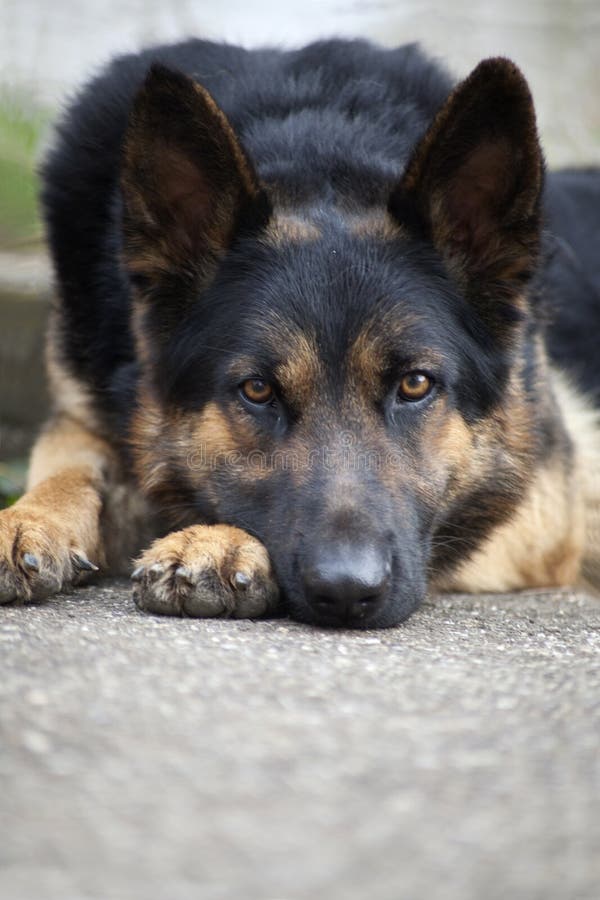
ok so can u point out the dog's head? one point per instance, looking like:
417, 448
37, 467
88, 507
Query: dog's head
352, 387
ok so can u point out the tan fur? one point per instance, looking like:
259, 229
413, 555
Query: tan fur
553, 539
583, 425
58, 519
192, 446
196, 572
540, 546
70, 397
286, 228
76, 474
364, 360
78, 502
221, 547
301, 373
139, 311
370, 348
128, 523
452, 440
218, 441
377, 224
75, 437
65, 445
146, 430
165, 453
66, 503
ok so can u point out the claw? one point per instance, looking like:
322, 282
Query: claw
183, 574
31, 562
138, 573
82, 563
240, 581
155, 571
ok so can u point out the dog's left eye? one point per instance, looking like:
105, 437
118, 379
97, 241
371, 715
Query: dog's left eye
257, 391
415, 386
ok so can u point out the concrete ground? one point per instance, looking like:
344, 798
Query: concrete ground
457, 756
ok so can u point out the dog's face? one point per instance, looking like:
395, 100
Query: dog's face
346, 387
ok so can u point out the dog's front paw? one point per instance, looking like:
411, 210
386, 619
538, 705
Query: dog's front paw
206, 571
40, 554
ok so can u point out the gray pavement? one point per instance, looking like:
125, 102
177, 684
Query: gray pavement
456, 756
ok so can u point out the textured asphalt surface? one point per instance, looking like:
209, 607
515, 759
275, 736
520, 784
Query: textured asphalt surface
457, 756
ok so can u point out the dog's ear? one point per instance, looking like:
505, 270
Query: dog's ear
188, 186
473, 184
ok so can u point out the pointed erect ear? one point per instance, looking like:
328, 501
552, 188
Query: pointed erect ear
187, 184
473, 184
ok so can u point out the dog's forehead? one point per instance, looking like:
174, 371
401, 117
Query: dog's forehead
310, 360
337, 307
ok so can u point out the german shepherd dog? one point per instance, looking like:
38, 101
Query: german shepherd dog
325, 339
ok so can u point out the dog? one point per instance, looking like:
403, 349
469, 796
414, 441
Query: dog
325, 339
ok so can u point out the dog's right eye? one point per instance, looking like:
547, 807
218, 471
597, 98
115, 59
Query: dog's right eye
415, 386
257, 391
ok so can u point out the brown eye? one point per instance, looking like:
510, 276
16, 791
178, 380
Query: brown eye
414, 386
256, 390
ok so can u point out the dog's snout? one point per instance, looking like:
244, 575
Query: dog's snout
347, 583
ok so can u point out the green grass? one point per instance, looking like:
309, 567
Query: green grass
12, 481
23, 125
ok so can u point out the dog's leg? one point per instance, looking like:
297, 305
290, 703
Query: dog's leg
206, 571
51, 538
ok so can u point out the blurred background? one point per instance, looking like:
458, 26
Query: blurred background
47, 50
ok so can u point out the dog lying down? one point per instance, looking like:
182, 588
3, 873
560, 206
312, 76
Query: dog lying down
325, 338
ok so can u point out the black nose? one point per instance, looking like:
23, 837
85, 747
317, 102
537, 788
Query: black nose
347, 583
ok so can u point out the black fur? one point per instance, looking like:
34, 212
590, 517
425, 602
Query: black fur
334, 120
335, 128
